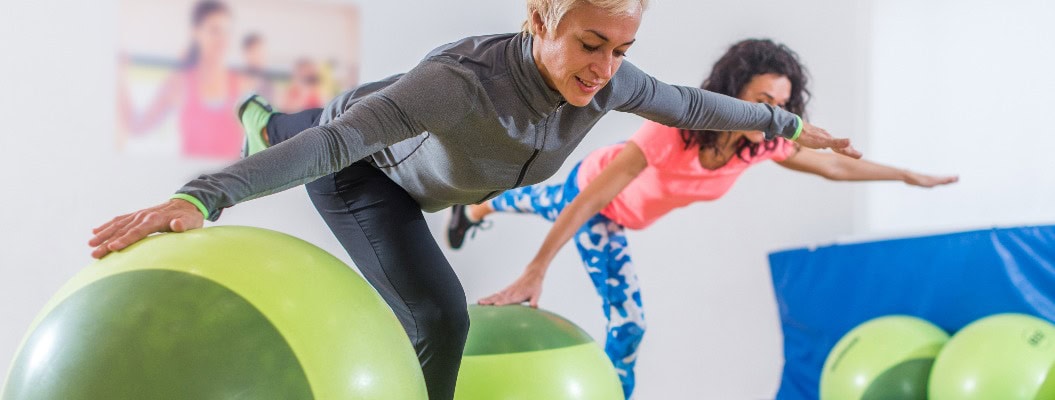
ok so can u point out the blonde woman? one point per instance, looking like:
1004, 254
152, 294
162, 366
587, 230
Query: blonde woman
476, 117
633, 184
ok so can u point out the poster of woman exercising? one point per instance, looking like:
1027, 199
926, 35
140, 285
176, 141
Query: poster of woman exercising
183, 65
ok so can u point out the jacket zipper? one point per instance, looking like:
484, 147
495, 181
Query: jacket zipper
523, 171
538, 148
534, 154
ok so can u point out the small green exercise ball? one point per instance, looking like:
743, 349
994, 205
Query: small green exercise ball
518, 352
886, 358
1003, 356
216, 313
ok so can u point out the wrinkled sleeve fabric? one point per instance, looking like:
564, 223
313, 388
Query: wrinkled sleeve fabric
434, 96
697, 109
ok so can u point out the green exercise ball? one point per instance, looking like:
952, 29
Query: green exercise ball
1003, 356
216, 313
886, 358
518, 352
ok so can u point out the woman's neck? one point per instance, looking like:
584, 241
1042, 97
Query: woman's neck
536, 54
728, 142
724, 150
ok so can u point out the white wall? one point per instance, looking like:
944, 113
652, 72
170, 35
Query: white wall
714, 331
964, 87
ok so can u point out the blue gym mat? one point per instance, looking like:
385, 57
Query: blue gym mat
950, 280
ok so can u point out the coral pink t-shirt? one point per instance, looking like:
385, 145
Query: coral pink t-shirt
673, 178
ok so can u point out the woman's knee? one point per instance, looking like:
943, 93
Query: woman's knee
449, 320
458, 322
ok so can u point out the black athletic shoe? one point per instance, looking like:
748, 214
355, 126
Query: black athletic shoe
459, 225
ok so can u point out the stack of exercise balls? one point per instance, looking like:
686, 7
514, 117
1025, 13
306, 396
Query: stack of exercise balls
1003, 356
522, 353
216, 313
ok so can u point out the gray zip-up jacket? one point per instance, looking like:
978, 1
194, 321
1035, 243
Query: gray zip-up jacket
473, 119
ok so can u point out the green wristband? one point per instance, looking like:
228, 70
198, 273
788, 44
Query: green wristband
798, 131
191, 199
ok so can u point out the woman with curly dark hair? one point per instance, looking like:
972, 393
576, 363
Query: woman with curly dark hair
633, 184
474, 118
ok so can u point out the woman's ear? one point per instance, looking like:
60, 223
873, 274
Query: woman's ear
537, 24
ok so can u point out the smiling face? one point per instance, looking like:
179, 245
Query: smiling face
584, 51
772, 89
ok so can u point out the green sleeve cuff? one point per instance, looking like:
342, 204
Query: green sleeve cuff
191, 199
798, 131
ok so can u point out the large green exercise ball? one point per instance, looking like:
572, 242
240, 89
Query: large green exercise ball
216, 313
522, 353
886, 358
1003, 356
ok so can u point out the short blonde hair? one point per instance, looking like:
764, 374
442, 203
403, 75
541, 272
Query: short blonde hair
552, 11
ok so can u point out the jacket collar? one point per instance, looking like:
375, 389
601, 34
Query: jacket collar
527, 79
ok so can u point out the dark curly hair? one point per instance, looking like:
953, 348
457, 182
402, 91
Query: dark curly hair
734, 71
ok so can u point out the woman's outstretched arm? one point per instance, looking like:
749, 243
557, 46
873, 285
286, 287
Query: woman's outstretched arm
419, 101
697, 109
613, 179
840, 168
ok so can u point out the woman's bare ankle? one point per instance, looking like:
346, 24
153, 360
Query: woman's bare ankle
477, 212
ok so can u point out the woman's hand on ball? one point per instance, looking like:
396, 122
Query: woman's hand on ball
172, 216
526, 288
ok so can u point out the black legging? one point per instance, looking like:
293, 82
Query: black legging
382, 229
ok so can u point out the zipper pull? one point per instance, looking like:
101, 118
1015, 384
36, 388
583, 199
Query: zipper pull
560, 105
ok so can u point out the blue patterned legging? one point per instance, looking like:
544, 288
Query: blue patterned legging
606, 256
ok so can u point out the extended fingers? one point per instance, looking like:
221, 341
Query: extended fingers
847, 150
504, 297
100, 228
944, 180
107, 230
100, 251
127, 229
818, 138
489, 300
143, 225
838, 143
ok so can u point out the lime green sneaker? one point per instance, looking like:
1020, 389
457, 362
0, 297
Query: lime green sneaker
253, 113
